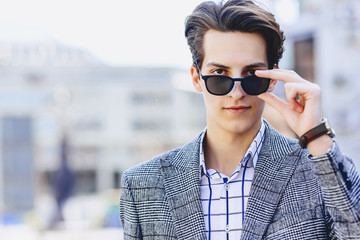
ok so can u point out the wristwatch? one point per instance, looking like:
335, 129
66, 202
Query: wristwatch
322, 129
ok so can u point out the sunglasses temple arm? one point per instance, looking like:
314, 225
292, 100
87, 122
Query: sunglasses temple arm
197, 65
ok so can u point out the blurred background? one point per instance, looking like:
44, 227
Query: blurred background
89, 88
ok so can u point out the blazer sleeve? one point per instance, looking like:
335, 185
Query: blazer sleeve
128, 212
340, 185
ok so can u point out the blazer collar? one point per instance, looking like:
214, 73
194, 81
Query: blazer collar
276, 164
182, 188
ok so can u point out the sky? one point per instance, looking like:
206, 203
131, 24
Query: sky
118, 32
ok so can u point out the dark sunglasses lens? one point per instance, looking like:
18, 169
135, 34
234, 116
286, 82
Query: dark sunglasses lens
219, 85
254, 85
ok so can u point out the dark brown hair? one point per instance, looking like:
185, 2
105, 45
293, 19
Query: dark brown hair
229, 16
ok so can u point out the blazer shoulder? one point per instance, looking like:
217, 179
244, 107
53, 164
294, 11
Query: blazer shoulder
282, 144
178, 156
152, 166
296, 149
293, 143
303, 164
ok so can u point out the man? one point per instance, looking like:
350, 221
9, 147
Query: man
240, 178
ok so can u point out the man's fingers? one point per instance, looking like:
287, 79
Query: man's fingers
280, 74
293, 97
274, 101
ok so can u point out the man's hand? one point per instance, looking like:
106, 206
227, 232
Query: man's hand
303, 109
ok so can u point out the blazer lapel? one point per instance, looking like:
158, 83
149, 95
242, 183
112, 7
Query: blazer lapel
276, 164
182, 188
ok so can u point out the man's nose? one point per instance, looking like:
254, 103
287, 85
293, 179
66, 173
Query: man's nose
237, 92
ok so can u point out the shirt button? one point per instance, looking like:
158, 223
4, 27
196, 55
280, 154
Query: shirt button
227, 186
227, 229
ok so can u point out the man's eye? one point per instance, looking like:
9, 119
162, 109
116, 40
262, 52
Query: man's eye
219, 72
252, 71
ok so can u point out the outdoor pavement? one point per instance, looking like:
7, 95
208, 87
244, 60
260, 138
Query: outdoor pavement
23, 232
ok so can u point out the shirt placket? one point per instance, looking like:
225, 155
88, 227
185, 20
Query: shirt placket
226, 206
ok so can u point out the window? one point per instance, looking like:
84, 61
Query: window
150, 98
17, 157
304, 58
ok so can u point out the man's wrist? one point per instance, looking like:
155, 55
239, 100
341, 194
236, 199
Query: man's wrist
322, 129
320, 146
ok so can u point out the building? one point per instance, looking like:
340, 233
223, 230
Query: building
112, 118
323, 46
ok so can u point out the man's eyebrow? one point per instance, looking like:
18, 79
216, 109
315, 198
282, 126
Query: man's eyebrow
252, 65
214, 64
256, 65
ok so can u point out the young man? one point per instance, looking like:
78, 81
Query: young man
240, 178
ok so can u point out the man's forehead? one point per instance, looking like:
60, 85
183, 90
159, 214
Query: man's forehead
225, 48
221, 65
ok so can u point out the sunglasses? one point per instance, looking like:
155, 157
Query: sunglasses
221, 84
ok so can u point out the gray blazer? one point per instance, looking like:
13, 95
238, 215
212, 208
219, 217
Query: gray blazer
291, 197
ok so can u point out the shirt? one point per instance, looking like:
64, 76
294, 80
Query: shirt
224, 198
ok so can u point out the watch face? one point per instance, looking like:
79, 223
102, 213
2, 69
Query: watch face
331, 131
327, 124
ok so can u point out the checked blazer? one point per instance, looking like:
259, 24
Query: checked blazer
293, 196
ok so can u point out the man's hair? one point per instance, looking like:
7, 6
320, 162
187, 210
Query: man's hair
230, 16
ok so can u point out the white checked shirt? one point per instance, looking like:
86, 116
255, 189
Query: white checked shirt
224, 198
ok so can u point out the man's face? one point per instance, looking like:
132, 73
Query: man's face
235, 54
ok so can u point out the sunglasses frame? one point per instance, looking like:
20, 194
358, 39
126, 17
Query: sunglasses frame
206, 77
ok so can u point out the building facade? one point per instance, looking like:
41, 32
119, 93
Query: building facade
323, 46
111, 117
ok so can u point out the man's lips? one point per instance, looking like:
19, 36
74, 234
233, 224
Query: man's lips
237, 109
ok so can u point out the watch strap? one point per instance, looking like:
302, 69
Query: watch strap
322, 129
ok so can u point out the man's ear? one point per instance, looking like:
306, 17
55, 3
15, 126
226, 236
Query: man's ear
195, 78
273, 81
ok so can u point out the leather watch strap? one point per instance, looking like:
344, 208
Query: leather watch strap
322, 129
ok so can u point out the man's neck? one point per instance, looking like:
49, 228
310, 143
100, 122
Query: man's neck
224, 150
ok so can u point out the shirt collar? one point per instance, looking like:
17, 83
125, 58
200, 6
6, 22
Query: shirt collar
250, 158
